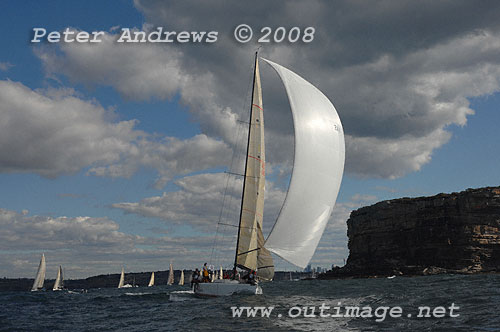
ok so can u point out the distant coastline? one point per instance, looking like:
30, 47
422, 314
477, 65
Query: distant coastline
111, 280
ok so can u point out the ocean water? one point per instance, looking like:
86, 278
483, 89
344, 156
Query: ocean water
474, 299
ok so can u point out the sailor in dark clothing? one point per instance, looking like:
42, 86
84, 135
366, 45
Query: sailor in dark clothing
195, 278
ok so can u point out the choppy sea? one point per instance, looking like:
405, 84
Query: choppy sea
464, 303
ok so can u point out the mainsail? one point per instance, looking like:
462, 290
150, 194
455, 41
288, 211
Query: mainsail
170, 275
152, 280
250, 251
59, 284
181, 280
40, 275
122, 279
317, 173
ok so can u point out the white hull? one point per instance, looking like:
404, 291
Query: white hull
225, 287
127, 286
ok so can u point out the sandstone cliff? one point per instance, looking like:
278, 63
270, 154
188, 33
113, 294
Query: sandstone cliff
458, 232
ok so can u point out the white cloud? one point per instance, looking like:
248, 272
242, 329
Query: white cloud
391, 158
199, 199
169, 157
53, 132
395, 107
86, 246
198, 202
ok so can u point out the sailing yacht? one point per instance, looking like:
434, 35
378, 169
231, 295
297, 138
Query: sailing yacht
314, 185
40, 276
170, 280
59, 283
121, 283
152, 280
181, 279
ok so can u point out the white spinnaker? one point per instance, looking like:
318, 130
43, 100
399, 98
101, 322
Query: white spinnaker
40, 275
317, 172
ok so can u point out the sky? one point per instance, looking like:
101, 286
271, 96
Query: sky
114, 154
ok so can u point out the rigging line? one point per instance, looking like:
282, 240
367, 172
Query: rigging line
236, 158
246, 252
222, 206
237, 226
248, 176
265, 267
235, 152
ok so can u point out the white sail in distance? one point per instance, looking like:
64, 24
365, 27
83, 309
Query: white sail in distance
181, 280
317, 172
40, 275
59, 283
122, 279
152, 280
170, 280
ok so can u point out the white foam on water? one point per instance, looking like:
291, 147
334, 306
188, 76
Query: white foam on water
177, 296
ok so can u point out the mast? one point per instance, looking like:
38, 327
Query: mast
246, 164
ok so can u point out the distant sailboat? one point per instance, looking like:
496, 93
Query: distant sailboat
59, 284
221, 275
181, 280
152, 280
170, 275
314, 185
122, 279
40, 275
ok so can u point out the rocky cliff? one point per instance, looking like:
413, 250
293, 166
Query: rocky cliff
458, 232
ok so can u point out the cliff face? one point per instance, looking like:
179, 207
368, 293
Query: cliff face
458, 232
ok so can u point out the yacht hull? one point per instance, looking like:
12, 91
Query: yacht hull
225, 287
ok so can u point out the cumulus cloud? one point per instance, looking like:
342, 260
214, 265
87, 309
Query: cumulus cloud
86, 246
199, 199
23, 232
53, 132
197, 203
396, 93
